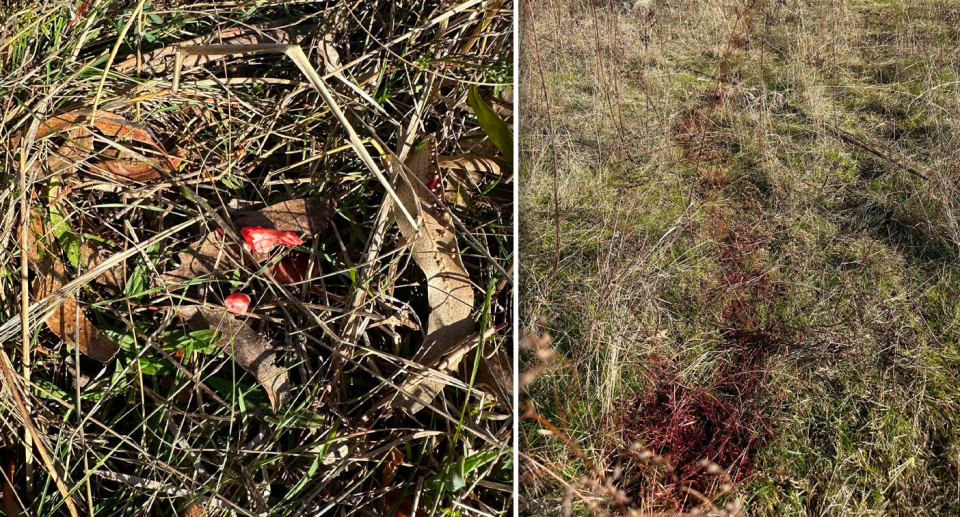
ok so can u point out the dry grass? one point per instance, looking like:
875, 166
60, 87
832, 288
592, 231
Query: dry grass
785, 170
172, 425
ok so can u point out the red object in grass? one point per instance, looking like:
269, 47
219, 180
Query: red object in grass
262, 240
432, 184
81, 10
237, 303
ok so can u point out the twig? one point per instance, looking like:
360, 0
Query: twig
850, 139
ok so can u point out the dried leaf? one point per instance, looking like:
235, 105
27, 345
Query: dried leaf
292, 268
91, 254
64, 321
465, 173
161, 59
68, 322
658, 337
145, 169
473, 166
496, 372
212, 253
79, 143
110, 124
307, 216
71, 153
248, 348
449, 291
390, 466
193, 509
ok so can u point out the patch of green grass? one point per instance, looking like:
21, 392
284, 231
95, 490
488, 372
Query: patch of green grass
833, 247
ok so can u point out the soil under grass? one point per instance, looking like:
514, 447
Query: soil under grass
758, 225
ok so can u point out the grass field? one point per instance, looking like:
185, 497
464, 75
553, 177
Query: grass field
740, 231
367, 176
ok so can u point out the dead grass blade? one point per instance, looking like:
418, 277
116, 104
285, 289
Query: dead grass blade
160, 60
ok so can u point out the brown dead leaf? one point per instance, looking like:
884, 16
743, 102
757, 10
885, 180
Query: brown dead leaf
92, 254
76, 127
213, 253
307, 216
405, 508
161, 59
111, 124
64, 321
473, 167
70, 154
464, 175
390, 466
68, 322
248, 348
449, 291
192, 509
496, 372
146, 169
502, 104
292, 268
658, 337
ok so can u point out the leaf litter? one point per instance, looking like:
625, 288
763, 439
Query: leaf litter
67, 321
248, 348
128, 186
449, 291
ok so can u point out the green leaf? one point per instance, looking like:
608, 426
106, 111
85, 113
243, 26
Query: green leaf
315, 466
491, 123
479, 459
68, 239
254, 396
138, 280
451, 478
299, 419
203, 341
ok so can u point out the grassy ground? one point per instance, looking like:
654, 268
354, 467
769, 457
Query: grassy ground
173, 425
741, 269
